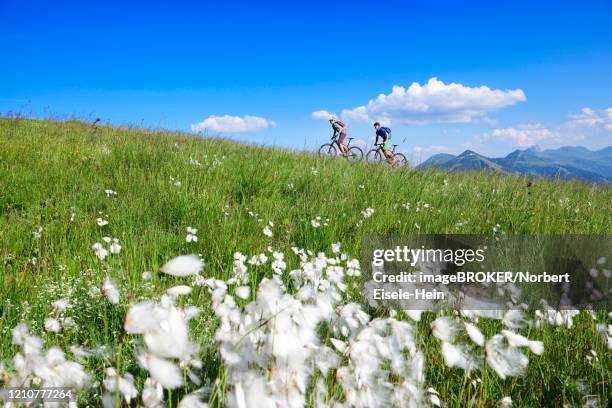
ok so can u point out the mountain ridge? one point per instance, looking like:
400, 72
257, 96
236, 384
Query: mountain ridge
567, 162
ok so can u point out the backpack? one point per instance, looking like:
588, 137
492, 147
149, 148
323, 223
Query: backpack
386, 130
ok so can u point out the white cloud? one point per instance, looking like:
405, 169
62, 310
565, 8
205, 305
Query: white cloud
362, 144
434, 102
232, 124
592, 118
323, 115
526, 135
431, 149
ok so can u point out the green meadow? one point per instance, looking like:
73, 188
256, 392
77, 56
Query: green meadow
53, 177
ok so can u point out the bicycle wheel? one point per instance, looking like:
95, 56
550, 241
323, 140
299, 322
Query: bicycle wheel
354, 154
327, 150
400, 159
374, 156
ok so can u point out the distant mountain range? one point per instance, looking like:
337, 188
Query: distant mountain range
564, 162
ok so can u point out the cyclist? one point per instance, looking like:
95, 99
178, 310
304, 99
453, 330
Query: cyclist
385, 134
340, 129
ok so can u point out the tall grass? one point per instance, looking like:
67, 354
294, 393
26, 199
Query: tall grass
54, 175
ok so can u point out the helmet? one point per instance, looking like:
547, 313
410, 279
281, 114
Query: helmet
376, 124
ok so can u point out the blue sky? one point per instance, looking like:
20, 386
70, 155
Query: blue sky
270, 65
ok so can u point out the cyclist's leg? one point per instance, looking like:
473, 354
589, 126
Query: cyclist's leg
387, 151
343, 148
387, 148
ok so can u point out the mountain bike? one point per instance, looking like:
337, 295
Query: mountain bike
353, 153
376, 155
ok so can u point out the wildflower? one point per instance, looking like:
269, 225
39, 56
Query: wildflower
110, 193
475, 334
52, 325
336, 248
163, 371
316, 223
60, 305
445, 328
517, 340
184, 265
243, 292
434, 397
101, 222
110, 291
267, 231
100, 251
191, 235
152, 393
507, 361
367, 213
146, 275
38, 233
179, 290
115, 248
506, 402
124, 385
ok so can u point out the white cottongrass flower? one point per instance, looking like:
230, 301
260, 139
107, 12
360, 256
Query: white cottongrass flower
100, 251
60, 305
506, 402
110, 193
48, 368
165, 330
475, 334
184, 265
116, 383
445, 328
165, 372
316, 222
434, 397
367, 213
191, 235
517, 340
267, 230
152, 394
180, 290
101, 222
338, 345
146, 275
109, 289
193, 400
336, 248
115, 248
507, 361
38, 233
457, 356
278, 265
243, 292
52, 325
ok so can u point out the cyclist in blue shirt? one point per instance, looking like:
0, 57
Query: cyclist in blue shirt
385, 134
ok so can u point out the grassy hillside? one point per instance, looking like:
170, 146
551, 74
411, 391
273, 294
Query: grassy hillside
53, 178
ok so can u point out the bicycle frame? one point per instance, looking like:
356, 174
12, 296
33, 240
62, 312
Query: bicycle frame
334, 139
379, 148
